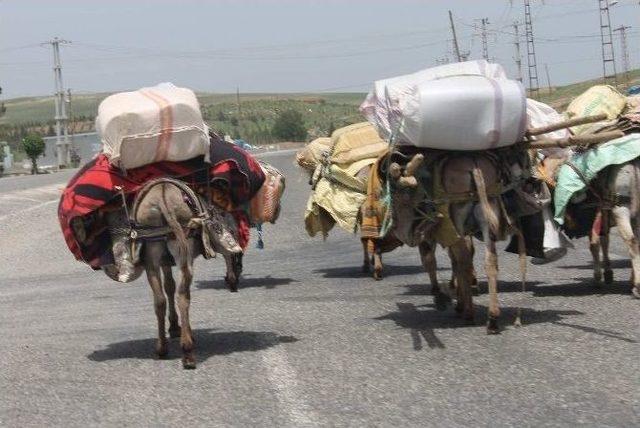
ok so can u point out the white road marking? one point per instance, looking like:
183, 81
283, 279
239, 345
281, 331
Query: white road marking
284, 381
17, 198
26, 210
275, 153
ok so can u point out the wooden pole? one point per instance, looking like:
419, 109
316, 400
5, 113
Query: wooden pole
576, 140
567, 124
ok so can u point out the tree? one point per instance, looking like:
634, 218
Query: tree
33, 146
289, 126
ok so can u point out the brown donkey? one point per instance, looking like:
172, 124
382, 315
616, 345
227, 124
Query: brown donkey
476, 177
170, 204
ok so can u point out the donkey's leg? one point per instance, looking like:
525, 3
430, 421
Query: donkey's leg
184, 261
231, 277
184, 300
604, 245
377, 261
428, 258
623, 222
153, 255
491, 270
170, 291
366, 263
463, 264
594, 247
473, 276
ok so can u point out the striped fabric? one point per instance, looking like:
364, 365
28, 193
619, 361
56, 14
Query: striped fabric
94, 185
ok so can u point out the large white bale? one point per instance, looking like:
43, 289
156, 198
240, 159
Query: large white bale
381, 107
160, 123
463, 113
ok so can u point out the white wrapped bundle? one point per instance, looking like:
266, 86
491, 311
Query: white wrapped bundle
381, 107
539, 115
463, 113
161, 123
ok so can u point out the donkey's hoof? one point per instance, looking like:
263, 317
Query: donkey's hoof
232, 285
459, 308
188, 362
162, 349
366, 268
636, 292
174, 332
377, 275
442, 301
492, 326
608, 277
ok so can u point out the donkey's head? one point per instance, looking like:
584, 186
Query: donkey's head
223, 232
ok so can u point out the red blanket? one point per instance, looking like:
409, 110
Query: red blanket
94, 186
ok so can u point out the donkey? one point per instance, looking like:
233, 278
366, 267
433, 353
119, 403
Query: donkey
617, 189
168, 203
463, 174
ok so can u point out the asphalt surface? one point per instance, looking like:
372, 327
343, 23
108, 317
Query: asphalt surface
308, 340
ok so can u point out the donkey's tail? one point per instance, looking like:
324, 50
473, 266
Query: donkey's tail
176, 227
487, 210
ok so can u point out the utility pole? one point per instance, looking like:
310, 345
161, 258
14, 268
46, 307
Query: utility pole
74, 158
485, 45
62, 136
534, 87
546, 69
606, 37
238, 100
518, 57
625, 51
456, 48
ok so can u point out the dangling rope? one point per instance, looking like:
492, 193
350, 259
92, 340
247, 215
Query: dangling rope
260, 243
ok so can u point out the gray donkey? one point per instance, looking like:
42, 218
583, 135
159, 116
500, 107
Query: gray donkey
170, 204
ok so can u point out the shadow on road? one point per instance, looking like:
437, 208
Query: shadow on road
581, 287
615, 264
421, 323
267, 282
424, 289
356, 271
208, 344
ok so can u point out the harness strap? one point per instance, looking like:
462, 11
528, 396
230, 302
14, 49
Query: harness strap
604, 202
201, 214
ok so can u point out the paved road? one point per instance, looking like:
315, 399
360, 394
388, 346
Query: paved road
308, 340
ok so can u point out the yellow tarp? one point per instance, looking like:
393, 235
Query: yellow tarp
356, 142
336, 200
596, 100
310, 156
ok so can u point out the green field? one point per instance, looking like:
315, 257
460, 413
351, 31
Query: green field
252, 120
561, 96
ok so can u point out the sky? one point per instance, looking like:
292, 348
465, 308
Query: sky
287, 45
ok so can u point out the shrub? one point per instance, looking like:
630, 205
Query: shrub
33, 146
289, 126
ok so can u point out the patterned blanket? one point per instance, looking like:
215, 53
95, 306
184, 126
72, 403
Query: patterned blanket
94, 186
